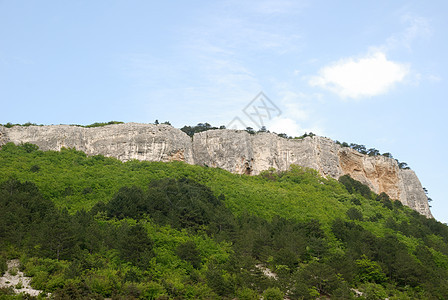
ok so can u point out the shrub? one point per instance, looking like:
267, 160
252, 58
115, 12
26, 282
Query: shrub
354, 214
13, 271
369, 271
356, 201
273, 294
35, 168
354, 186
19, 285
28, 147
247, 294
190, 253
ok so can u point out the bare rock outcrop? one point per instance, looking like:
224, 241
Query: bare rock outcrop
123, 141
3, 137
243, 153
413, 194
236, 151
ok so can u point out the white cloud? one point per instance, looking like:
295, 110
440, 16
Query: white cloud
289, 126
367, 76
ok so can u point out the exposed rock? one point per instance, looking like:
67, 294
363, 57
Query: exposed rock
3, 138
244, 153
381, 174
17, 280
226, 149
236, 151
123, 141
413, 194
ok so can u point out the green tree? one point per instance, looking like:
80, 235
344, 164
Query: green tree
57, 236
190, 253
321, 276
135, 246
369, 271
354, 214
273, 294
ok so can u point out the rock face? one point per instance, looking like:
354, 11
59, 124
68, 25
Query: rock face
236, 151
243, 153
122, 141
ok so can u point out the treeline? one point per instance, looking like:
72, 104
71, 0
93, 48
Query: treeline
372, 152
201, 127
27, 124
96, 124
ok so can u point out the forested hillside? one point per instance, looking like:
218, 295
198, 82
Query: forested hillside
94, 227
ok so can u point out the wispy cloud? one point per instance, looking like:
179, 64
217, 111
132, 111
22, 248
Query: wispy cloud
291, 127
214, 61
366, 76
415, 27
298, 115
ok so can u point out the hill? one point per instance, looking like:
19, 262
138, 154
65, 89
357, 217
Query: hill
95, 227
237, 151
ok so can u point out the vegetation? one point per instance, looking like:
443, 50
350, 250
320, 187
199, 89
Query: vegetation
101, 124
94, 227
201, 127
372, 152
9, 124
96, 124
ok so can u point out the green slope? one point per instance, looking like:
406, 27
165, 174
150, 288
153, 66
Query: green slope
97, 227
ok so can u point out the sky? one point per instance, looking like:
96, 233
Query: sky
366, 72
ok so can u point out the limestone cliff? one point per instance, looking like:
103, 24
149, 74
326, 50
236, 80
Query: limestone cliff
122, 141
236, 151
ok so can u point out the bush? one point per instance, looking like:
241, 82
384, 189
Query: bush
19, 285
35, 168
273, 294
247, 294
373, 291
13, 271
369, 271
354, 214
354, 186
98, 124
190, 253
356, 201
28, 147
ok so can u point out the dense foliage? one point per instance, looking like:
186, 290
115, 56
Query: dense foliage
94, 227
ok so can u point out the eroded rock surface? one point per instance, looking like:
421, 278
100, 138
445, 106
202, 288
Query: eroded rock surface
236, 151
123, 141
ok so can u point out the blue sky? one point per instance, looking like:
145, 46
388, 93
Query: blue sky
368, 72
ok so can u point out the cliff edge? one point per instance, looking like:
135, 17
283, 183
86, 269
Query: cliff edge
236, 151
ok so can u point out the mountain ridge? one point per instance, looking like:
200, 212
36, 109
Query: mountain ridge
233, 150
